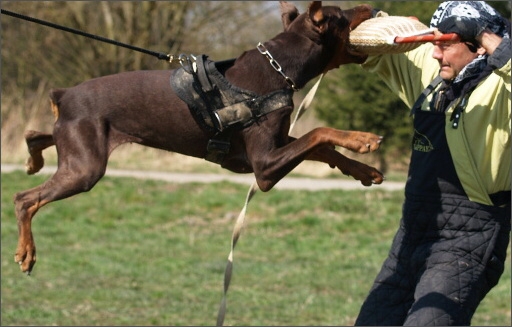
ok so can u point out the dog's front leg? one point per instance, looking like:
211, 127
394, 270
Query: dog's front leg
355, 141
271, 161
358, 170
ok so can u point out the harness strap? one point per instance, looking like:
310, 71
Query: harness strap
245, 113
239, 116
218, 147
223, 118
204, 81
501, 198
457, 112
423, 96
208, 92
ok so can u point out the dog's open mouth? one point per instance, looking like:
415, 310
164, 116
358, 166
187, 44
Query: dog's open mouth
364, 13
351, 50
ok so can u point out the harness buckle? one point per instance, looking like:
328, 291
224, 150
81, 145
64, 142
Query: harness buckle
216, 145
217, 150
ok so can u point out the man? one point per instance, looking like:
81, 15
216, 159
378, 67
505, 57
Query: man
450, 248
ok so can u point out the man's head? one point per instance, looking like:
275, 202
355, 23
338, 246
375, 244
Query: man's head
454, 56
477, 11
468, 19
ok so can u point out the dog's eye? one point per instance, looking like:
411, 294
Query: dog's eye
342, 23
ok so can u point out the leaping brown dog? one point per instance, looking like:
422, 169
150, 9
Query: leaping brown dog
235, 113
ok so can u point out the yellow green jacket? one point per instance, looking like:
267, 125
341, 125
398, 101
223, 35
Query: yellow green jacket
480, 146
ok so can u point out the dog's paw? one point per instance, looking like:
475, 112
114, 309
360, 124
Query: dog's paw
360, 142
34, 164
371, 143
25, 256
365, 174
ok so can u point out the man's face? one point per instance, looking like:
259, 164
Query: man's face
452, 58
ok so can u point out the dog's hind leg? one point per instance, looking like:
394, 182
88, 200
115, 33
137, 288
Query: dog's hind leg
36, 142
83, 153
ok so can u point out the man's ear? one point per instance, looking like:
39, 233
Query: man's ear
481, 50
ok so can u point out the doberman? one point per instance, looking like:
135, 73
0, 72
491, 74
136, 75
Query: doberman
245, 133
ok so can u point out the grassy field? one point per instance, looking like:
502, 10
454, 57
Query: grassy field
134, 252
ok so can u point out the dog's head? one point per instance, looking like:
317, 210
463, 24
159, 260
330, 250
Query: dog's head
329, 26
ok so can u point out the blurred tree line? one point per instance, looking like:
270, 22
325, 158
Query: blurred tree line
35, 58
217, 28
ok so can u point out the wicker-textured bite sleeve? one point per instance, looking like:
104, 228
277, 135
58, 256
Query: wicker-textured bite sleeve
378, 35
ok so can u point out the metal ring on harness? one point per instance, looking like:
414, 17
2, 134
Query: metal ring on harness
188, 65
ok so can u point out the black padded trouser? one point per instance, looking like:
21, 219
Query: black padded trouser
441, 265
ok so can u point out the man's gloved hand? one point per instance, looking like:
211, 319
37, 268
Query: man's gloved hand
467, 28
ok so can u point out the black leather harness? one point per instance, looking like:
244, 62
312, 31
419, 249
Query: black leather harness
220, 107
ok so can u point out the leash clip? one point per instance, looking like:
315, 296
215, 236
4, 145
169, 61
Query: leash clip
188, 64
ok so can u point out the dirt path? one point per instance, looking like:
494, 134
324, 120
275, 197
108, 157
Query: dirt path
288, 183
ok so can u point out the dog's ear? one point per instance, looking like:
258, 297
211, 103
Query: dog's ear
315, 12
288, 13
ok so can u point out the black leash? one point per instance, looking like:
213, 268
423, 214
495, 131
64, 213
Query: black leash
159, 55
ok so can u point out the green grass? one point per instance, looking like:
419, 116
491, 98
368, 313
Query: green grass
134, 252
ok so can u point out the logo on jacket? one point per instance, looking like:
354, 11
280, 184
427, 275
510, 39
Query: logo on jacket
421, 142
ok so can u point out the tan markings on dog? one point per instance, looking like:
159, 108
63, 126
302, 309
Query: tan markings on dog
55, 109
